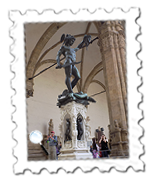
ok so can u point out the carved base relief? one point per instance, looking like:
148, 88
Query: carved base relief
79, 131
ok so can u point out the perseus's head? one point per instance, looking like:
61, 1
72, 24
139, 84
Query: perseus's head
68, 40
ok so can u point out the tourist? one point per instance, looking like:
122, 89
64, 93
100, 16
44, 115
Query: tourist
58, 148
91, 149
47, 141
95, 149
52, 146
104, 146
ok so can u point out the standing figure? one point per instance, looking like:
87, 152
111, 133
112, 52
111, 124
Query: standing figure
70, 59
95, 149
67, 134
104, 146
79, 127
52, 146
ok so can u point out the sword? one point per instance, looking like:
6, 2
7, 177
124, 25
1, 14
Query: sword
45, 69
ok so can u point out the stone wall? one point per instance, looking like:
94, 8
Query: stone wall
112, 46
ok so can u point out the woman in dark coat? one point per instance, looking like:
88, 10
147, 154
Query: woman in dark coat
104, 146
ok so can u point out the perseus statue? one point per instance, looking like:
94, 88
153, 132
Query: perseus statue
70, 59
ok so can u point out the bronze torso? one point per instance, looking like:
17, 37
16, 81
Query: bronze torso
70, 54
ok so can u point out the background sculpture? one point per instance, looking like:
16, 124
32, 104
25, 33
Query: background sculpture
50, 128
67, 133
79, 127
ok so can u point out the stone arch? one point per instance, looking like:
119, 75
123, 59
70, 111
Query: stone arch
98, 82
91, 75
97, 25
45, 52
51, 30
44, 62
82, 57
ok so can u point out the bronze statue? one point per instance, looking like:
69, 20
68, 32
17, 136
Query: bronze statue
79, 127
86, 42
70, 59
67, 134
70, 69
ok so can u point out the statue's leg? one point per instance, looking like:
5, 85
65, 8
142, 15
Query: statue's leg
76, 75
78, 135
68, 72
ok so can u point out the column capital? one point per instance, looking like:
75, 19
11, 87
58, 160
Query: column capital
29, 88
111, 27
111, 35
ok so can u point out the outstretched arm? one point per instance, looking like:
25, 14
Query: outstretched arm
85, 42
80, 46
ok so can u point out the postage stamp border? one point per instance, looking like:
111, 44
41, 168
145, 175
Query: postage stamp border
21, 11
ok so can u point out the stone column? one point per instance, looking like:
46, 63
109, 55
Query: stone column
120, 61
121, 50
114, 68
122, 47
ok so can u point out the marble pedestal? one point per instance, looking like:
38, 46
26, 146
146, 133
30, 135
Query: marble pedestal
74, 148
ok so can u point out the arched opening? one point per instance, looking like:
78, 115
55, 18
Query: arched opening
48, 85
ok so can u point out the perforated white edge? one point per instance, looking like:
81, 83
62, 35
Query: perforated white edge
18, 66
